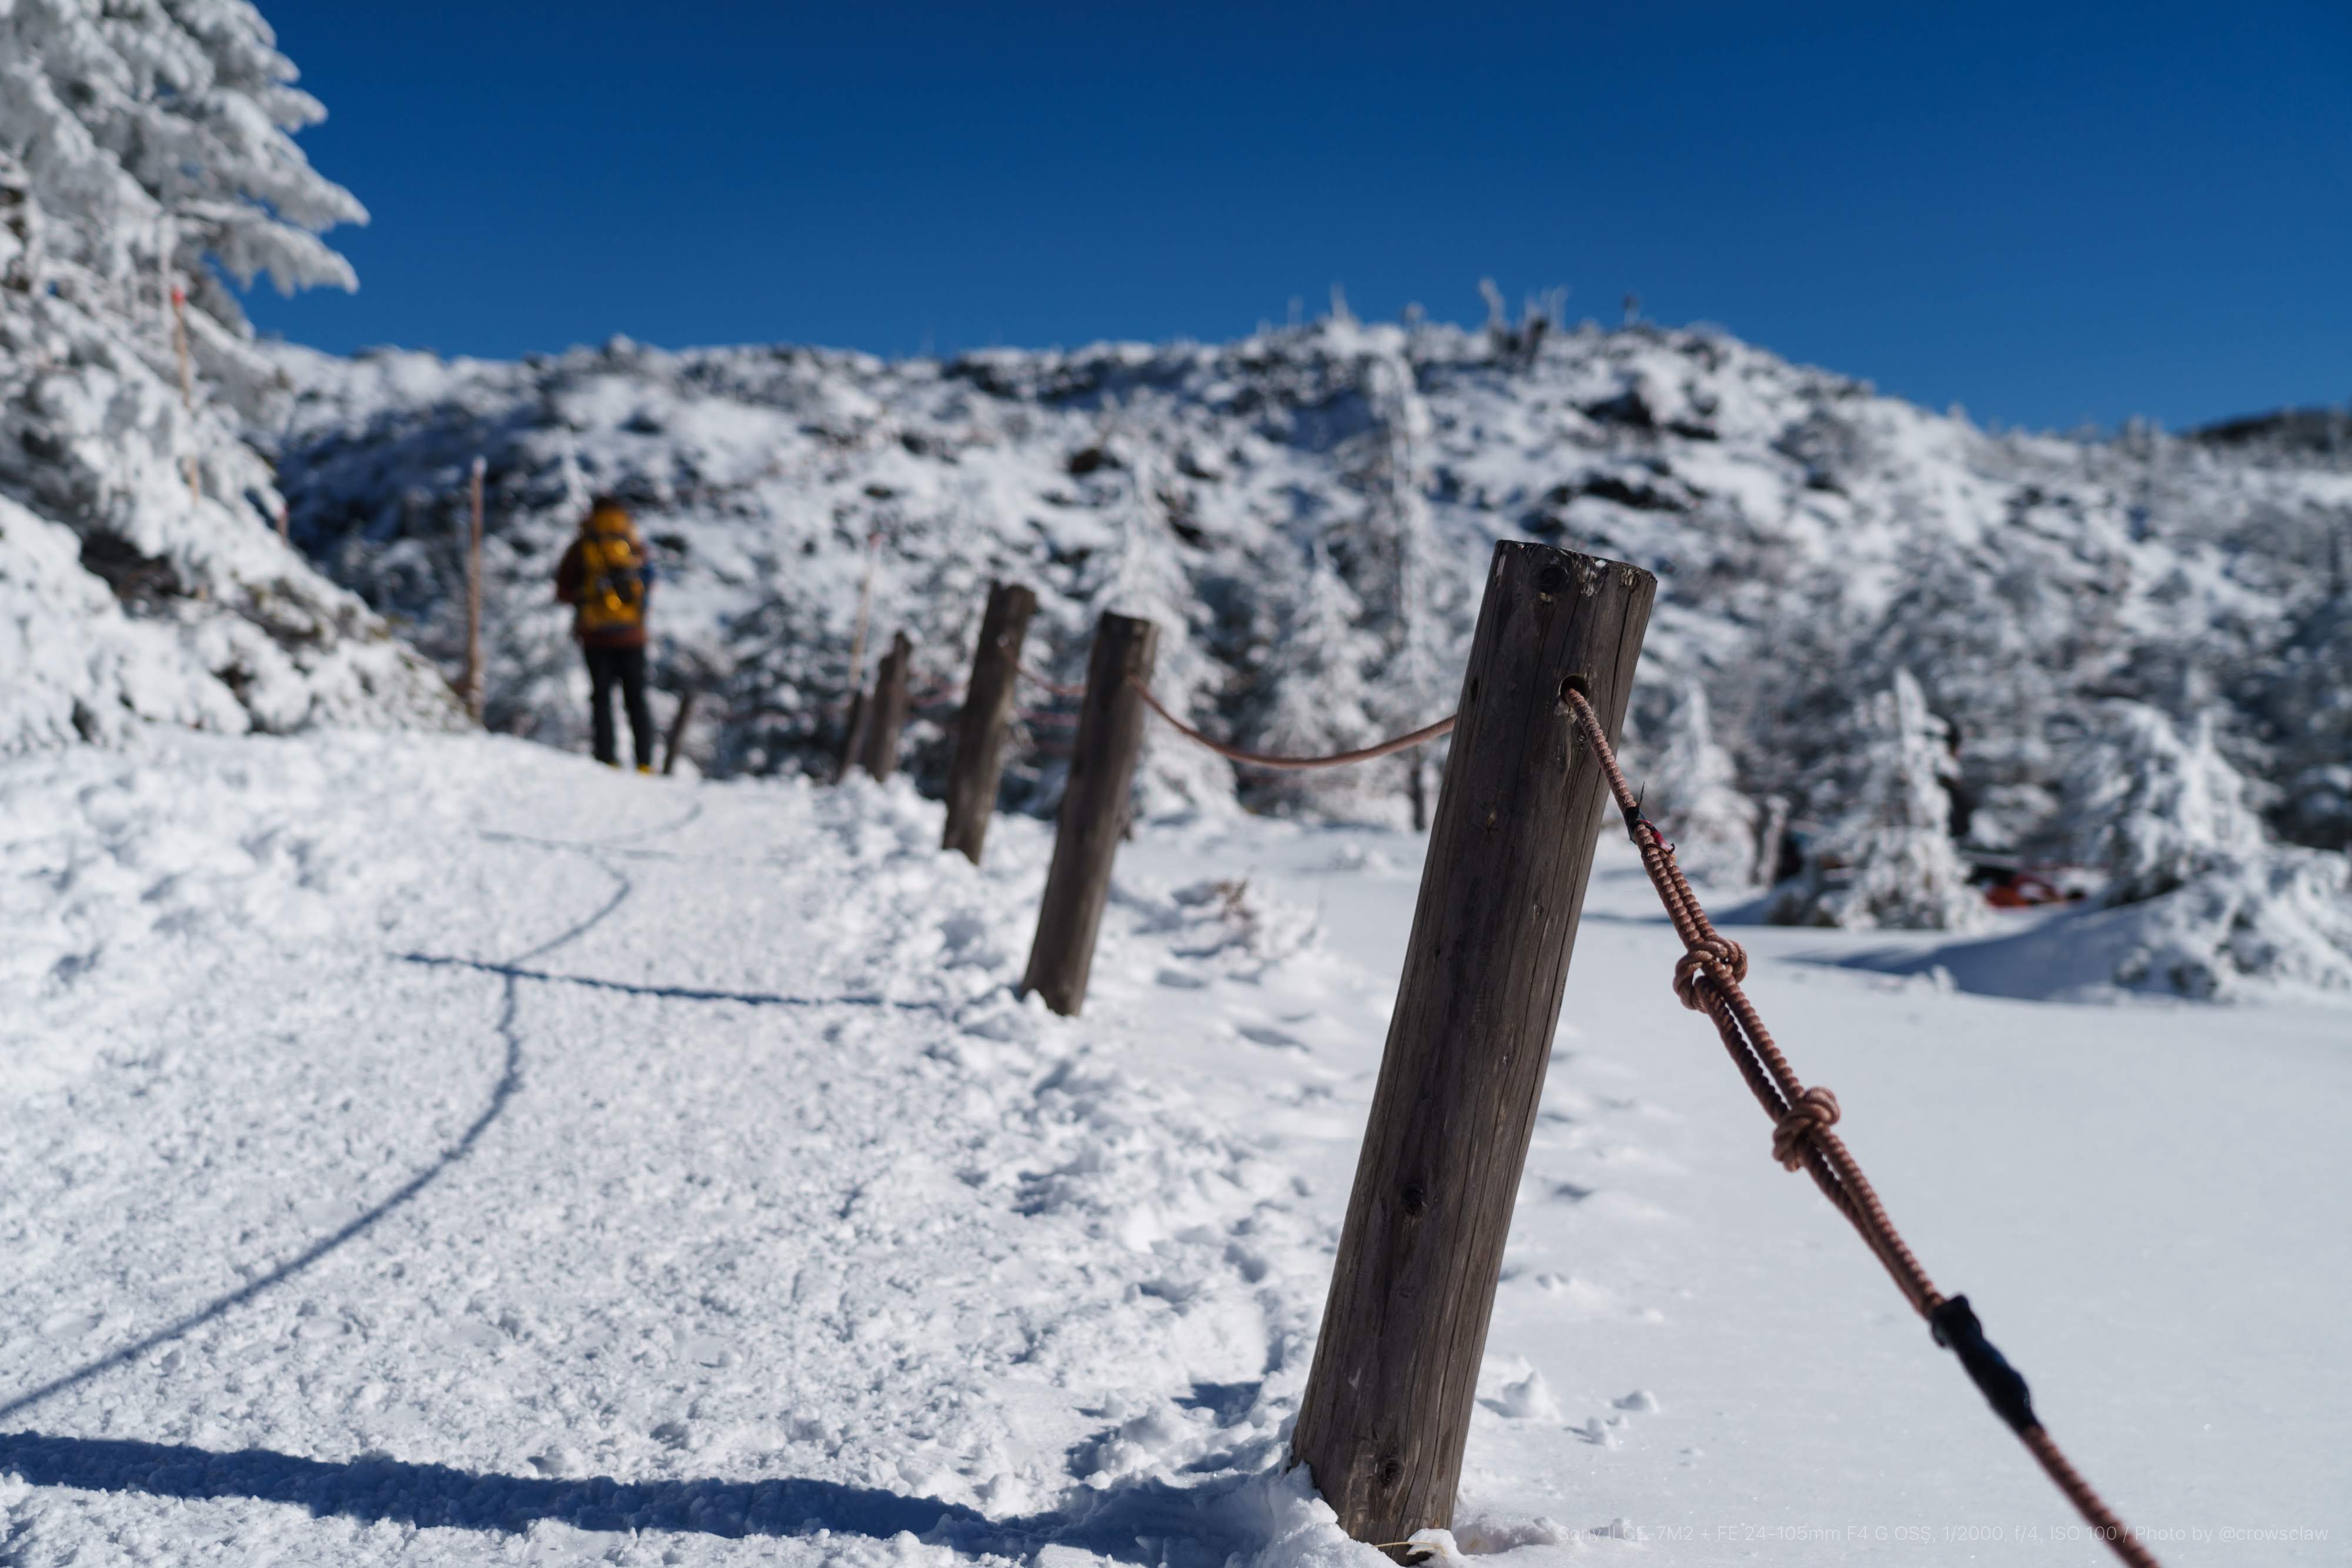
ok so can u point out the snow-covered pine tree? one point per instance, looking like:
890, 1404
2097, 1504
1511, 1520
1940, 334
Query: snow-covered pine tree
2204, 902
1888, 860
1692, 796
2152, 804
1415, 687
144, 144
1316, 701
2307, 695
1145, 579
157, 138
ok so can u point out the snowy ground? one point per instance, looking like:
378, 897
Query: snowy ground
440, 1150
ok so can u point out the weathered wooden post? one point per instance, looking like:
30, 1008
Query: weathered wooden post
1094, 813
886, 715
474, 598
979, 761
853, 733
678, 721
1388, 1403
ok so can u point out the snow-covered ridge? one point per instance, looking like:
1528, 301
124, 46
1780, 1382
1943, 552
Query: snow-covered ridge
1309, 514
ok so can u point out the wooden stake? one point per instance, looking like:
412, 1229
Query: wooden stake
678, 724
853, 735
1094, 813
979, 761
886, 715
473, 682
1387, 1406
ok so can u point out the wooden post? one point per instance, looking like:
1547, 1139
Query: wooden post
886, 715
852, 734
1387, 1405
473, 683
678, 724
1094, 813
988, 695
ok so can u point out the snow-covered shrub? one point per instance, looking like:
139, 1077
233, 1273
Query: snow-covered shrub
1689, 793
143, 144
1888, 860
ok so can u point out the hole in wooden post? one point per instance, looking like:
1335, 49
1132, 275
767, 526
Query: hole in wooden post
1580, 685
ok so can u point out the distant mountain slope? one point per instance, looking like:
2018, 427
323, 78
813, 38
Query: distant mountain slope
1312, 510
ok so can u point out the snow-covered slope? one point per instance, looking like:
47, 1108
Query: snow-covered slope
433, 1150
1309, 512
1313, 508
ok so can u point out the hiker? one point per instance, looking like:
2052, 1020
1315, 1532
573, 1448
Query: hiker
606, 579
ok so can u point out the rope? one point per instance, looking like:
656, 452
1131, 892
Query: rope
1054, 688
1707, 979
1260, 759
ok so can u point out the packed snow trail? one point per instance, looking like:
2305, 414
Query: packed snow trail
446, 1151
753, 1166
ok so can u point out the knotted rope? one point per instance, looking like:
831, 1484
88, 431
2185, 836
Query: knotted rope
1707, 980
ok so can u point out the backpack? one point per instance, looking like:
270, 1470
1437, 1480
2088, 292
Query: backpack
612, 580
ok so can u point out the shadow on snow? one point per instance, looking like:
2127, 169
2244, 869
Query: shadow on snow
1149, 1524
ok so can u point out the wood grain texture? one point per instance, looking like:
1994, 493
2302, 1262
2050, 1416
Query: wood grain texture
886, 715
977, 764
1388, 1403
1094, 813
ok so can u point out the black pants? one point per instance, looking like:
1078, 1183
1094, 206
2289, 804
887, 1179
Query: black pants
626, 665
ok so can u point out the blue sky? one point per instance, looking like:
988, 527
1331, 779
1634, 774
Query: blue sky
2052, 215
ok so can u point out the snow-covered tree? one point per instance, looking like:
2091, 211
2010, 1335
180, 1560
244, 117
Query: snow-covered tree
1316, 700
1691, 795
1888, 860
2307, 695
1417, 682
2152, 804
145, 147
156, 136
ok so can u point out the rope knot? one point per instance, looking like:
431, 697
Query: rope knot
1719, 958
1816, 1110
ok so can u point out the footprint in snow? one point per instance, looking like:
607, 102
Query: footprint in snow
1273, 1038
